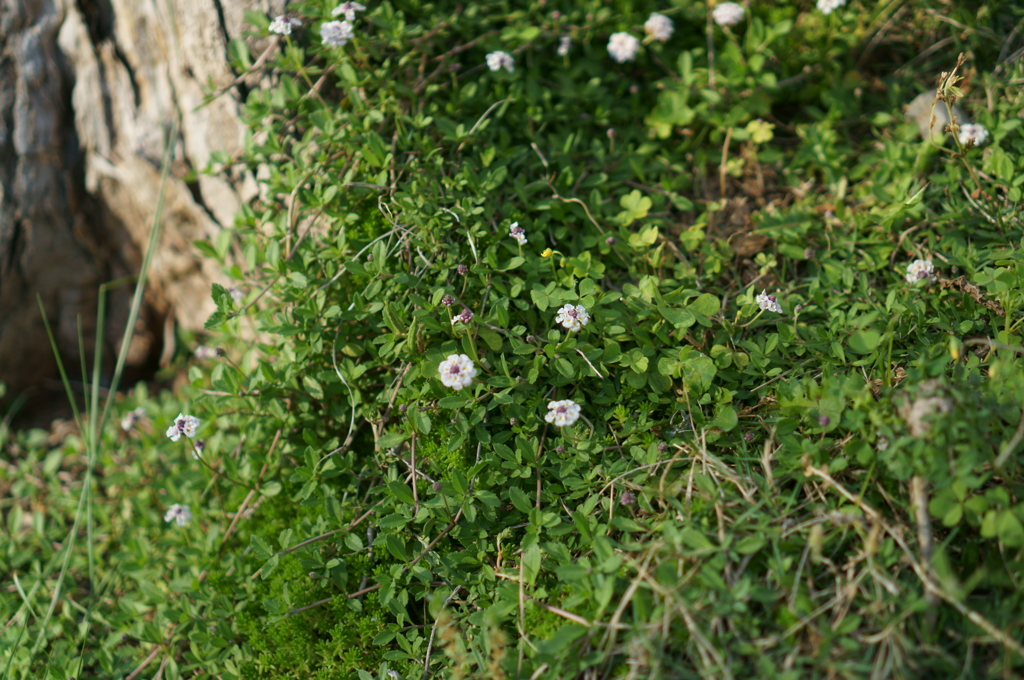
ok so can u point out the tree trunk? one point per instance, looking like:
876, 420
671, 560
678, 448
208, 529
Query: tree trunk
88, 90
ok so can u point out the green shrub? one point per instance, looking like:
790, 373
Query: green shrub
746, 491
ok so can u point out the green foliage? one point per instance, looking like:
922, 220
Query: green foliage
746, 492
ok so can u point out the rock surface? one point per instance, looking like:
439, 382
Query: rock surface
88, 89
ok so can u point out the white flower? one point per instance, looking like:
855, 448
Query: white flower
562, 413
623, 47
828, 6
920, 269
237, 294
178, 513
394, 675
517, 232
883, 443
768, 303
349, 9
572, 317
283, 26
132, 418
495, 60
204, 352
659, 27
973, 132
336, 33
457, 371
727, 13
465, 316
563, 45
183, 425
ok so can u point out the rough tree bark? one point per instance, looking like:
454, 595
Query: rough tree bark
87, 90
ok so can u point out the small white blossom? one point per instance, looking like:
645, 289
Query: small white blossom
973, 132
828, 6
283, 26
727, 13
623, 47
336, 33
499, 59
883, 443
659, 27
457, 371
517, 232
349, 9
464, 317
919, 270
562, 413
132, 418
183, 425
237, 294
394, 675
572, 317
564, 43
204, 352
768, 303
178, 513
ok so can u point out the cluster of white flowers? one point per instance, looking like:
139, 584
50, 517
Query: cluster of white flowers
517, 232
572, 317
237, 294
283, 25
564, 43
829, 6
919, 270
204, 352
179, 514
464, 317
659, 27
336, 33
562, 413
457, 371
497, 60
972, 132
727, 13
132, 418
623, 47
349, 9
183, 425
768, 303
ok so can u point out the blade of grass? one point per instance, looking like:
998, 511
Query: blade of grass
91, 431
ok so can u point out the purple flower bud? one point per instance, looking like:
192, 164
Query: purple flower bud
748, 436
610, 240
633, 89
627, 498
369, 257
402, 408
200, 445
559, 449
662, 447
556, 15
824, 420
436, 486
611, 133
447, 301
462, 270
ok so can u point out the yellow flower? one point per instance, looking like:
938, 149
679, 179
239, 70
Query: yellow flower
547, 253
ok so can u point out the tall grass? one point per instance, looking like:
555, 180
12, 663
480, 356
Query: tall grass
91, 424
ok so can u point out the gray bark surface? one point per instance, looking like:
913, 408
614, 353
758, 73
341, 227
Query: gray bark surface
88, 89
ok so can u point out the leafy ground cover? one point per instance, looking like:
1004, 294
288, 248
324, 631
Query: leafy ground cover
789, 327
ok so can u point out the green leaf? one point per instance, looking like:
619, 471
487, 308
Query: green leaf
260, 547
393, 321
420, 420
750, 544
401, 491
520, 500
396, 546
391, 439
865, 341
531, 563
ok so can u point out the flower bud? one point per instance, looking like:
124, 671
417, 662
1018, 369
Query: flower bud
824, 420
559, 450
447, 301
513, 422
610, 240
662, 447
627, 498
462, 270
402, 408
748, 436
436, 486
